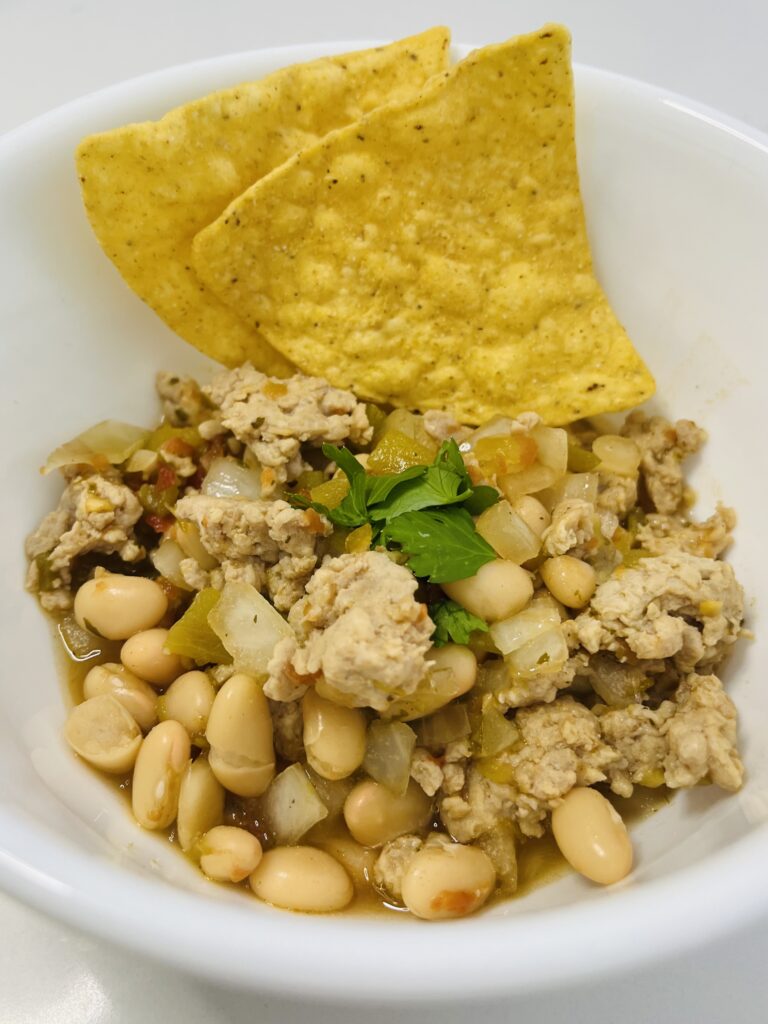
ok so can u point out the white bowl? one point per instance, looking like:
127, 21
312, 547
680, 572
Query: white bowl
677, 203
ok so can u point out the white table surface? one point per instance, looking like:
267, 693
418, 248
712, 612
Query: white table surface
52, 51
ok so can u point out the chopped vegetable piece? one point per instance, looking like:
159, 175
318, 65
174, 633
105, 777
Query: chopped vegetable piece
511, 634
331, 492
580, 459
546, 653
292, 805
80, 644
106, 444
167, 558
396, 452
443, 727
359, 539
499, 456
508, 534
499, 844
492, 732
528, 481
165, 432
192, 635
388, 754
552, 443
228, 479
248, 627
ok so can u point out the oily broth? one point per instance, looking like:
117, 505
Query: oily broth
539, 861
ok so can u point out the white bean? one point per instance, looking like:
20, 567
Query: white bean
228, 854
455, 661
160, 765
447, 881
302, 878
497, 591
189, 700
592, 837
144, 653
533, 513
569, 580
116, 606
136, 696
239, 731
201, 803
103, 733
374, 814
334, 736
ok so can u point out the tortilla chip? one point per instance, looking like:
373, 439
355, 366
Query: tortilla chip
149, 188
435, 254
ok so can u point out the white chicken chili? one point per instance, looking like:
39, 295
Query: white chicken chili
343, 654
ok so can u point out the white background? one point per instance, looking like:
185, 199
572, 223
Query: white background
52, 51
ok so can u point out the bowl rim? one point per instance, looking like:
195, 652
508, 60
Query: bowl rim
628, 927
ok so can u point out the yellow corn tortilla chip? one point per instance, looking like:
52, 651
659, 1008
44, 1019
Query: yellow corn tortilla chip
149, 188
434, 255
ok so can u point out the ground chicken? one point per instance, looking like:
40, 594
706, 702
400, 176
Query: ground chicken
456, 757
560, 747
94, 514
660, 534
572, 526
541, 688
426, 771
701, 736
634, 732
673, 606
274, 417
184, 404
441, 425
664, 446
616, 494
258, 542
359, 629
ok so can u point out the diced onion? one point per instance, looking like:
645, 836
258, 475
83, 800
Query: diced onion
192, 636
553, 447
507, 533
616, 684
333, 792
572, 485
617, 454
411, 425
248, 626
228, 479
106, 444
513, 633
166, 558
528, 481
492, 676
445, 726
144, 460
497, 426
292, 805
545, 654
388, 754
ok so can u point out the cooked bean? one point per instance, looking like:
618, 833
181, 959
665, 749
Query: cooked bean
116, 606
458, 664
103, 733
617, 454
189, 700
201, 803
374, 814
136, 696
498, 590
228, 854
334, 736
157, 776
302, 878
592, 837
239, 731
144, 653
448, 881
569, 580
533, 513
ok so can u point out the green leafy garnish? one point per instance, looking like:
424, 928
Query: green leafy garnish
454, 624
425, 510
442, 544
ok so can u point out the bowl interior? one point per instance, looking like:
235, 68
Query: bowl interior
677, 203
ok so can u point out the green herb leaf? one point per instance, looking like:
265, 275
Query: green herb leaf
481, 498
442, 544
454, 624
345, 460
439, 485
378, 488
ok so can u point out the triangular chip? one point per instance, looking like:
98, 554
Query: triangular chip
149, 188
435, 254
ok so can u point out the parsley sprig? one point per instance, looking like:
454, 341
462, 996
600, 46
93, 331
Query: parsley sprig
454, 623
425, 511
